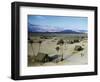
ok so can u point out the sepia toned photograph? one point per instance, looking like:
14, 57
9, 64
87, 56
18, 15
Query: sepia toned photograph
57, 40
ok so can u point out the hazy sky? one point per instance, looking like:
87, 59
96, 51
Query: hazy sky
59, 22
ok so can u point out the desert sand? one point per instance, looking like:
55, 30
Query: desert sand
48, 46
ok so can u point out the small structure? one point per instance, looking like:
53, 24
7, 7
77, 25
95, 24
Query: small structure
78, 48
42, 57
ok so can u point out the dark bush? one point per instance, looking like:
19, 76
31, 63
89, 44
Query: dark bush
78, 48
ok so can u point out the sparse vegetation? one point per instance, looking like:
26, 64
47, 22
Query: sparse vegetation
50, 48
57, 49
78, 48
61, 43
40, 42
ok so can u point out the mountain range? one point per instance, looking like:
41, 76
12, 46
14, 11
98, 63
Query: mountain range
41, 28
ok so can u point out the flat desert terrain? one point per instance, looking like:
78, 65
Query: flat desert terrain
73, 50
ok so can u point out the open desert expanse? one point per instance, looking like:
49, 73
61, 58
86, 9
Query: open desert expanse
45, 49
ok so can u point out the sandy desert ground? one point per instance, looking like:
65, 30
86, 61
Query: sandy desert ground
48, 45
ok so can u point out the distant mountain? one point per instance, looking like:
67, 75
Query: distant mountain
69, 31
31, 28
84, 31
35, 28
41, 28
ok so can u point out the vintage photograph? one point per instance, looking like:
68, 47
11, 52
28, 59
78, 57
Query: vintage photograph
57, 40
60, 39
